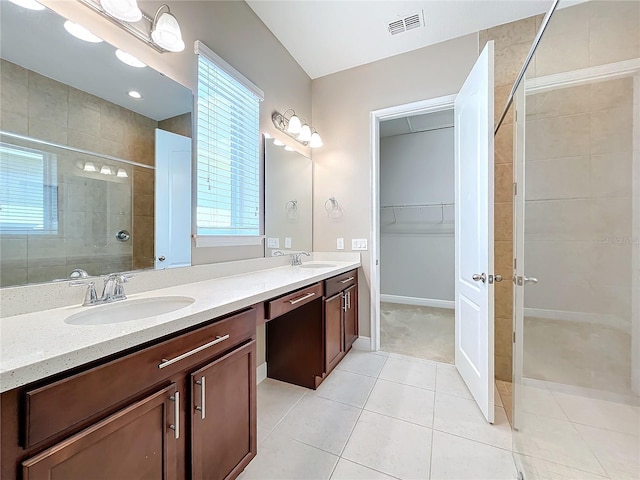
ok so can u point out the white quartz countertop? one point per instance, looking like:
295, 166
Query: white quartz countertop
36, 345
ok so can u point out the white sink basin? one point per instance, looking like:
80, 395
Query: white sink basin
317, 265
128, 310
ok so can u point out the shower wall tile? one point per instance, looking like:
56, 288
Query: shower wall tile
503, 145
503, 368
611, 94
503, 221
501, 94
14, 92
558, 178
558, 137
84, 99
611, 264
503, 338
46, 274
614, 34
143, 205
508, 62
504, 298
10, 275
48, 130
47, 99
84, 119
503, 182
611, 130
611, 218
559, 220
180, 124
14, 248
559, 102
82, 140
610, 175
503, 258
563, 52
507, 34
13, 122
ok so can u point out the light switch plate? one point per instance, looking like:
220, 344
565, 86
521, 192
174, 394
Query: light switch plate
287, 242
340, 243
359, 244
273, 243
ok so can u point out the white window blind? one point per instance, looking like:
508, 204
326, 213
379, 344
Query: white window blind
28, 191
228, 160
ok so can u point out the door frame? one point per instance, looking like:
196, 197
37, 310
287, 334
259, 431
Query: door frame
430, 105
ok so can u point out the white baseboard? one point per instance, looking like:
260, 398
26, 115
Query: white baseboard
362, 343
261, 372
603, 319
423, 302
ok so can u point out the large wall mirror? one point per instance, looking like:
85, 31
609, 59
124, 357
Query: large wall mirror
78, 155
288, 199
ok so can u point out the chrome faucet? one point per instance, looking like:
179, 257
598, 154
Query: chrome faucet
112, 291
296, 258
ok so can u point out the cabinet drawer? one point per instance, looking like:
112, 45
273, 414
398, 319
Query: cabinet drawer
293, 300
83, 398
340, 282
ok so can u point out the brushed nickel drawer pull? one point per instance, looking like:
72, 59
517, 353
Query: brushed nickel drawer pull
203, 400
166, 363
176, 413
346, 280
300, 299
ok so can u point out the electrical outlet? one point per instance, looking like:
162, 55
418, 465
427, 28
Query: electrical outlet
358, 244
273, 243
340, 243
287, 242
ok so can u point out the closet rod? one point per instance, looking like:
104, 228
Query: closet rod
419, 205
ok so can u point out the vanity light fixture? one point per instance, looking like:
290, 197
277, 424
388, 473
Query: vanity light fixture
80, 32
89, 167
125, 10
105, 170
161, 32
122, 173
134, 94
165, 31
302, 133
129, 59
29, 4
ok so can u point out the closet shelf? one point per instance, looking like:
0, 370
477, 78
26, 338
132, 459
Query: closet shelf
441, 206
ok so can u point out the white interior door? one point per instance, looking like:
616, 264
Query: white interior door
172, 200
474, 310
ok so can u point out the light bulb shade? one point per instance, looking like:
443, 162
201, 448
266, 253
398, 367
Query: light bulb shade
105, 170
80, 32
129, 59
29, 4
295, 125
166, 32
89, 167
122, 173
316, 140
278, 143
305, 133
125, 10
289, 149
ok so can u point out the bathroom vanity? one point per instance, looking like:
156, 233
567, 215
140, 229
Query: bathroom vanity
173, 405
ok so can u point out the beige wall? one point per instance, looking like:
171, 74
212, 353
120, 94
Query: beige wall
342, 103
235, 33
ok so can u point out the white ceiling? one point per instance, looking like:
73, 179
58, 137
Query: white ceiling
327, 36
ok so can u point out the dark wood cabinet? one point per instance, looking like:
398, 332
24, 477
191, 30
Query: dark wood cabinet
182, 407
350, 296
223, 415
136, 442
334, 331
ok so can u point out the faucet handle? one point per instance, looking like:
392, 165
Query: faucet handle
90, 296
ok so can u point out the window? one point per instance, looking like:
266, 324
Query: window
228, 183
28, 191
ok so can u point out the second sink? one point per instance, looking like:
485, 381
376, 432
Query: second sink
128, 310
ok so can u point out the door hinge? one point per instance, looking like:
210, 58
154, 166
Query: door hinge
514, 337
515, 263
515, 189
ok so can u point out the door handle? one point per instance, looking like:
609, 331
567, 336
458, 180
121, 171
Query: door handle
162, 258
533, 280
176, 412
479, 277
203, 399
497, 277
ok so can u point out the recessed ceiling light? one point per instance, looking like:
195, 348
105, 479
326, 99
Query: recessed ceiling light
134, 94
30, 4
80, 32
129, 59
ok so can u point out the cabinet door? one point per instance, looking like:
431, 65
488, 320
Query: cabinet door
334, 346
137, 442
351, 316
224, 427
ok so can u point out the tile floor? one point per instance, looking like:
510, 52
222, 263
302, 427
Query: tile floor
379, 416
416, 331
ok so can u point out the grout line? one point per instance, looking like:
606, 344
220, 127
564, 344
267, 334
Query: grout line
505, 449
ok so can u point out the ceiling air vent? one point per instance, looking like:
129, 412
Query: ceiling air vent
407, 23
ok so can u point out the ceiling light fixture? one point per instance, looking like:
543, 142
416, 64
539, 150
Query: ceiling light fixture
161, 32
302, 133
129, 59
134, 94
80, 32
165, 31
125, 10
29, 4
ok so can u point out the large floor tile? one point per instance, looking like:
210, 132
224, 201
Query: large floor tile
364, 363
404, 402
321, 423
275, 399
538, 469
556, 441
346, 387
537, 399
283, 458
462, 417
391, 446
416, 374
619, 453
346, 470
600, 413
456, 458
448, 380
